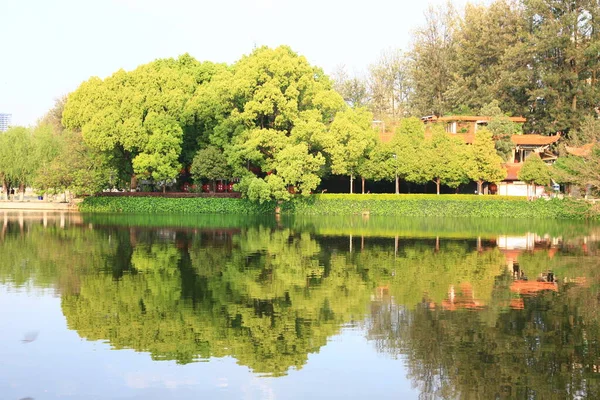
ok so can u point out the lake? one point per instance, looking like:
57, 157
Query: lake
234, 307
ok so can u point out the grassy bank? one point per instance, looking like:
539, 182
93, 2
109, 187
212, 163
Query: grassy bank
441, 206
197, 205
346, 204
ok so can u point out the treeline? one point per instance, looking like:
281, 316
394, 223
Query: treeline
537, 58
51, 160
271, 120
276, 125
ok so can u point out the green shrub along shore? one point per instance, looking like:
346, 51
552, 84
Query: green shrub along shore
417, 205
167, 205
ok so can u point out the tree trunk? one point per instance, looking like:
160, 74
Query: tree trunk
397, 185
214, 185
534, 191
363, 185
165, 187
351, 184
479, 187
437, 185
133, 183
22, 190
5, 188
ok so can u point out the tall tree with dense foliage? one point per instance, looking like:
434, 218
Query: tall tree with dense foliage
17, 158
482, 163
349, 140
378, 165
432, 53
534, 172
485, 66
210, 163
565, 38
588, 132
140, 116
271, 109
581, 171
444, 159
407, 148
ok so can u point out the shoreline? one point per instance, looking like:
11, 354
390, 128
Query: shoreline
36, 206
405, 205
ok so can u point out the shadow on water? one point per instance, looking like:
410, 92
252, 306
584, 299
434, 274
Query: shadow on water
476, 309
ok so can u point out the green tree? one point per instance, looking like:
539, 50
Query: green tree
140, 117
46, 147
270, 101
444, 160
432, 53
407, 147
349, 140
17, 158
77, 168
377, 164
210, 163
581, 171
482, 163
485, 67
588, 132
160, 159
534, 172
502, 129
564, 38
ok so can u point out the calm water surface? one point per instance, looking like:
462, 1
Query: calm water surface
138, 307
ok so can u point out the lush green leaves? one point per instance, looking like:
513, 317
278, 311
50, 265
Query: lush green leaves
349, 140
270, 110
141, 115
534, 171
210, 163
483, 164
422, 205
345, 204
444, 159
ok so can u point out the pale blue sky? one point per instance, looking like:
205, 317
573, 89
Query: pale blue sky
48, 47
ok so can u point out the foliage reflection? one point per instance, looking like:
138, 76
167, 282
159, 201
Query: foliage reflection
458, 310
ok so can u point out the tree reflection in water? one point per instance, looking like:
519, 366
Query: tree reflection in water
459, 311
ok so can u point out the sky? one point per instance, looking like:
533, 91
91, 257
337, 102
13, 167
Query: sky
48, 47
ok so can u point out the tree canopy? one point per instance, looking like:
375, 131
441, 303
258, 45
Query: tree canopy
483, 164
534, 171
283, 125
140, 116
444, 159
349, 141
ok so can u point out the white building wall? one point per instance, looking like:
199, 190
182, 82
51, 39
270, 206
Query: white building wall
518, 188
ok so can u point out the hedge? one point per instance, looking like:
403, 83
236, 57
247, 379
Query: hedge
196, 205
346, 204
440, 206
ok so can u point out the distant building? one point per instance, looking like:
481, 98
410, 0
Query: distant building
5, 121
465, 124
